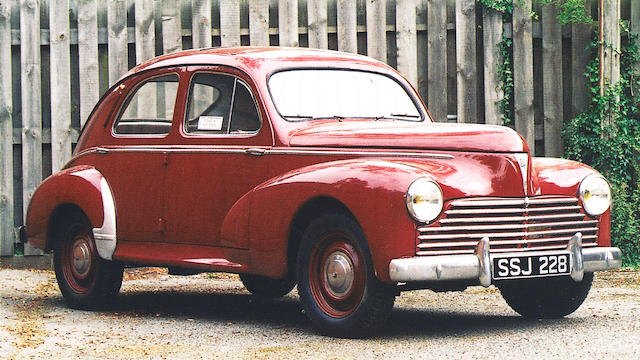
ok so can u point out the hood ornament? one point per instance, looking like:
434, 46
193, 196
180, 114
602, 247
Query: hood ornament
523, 162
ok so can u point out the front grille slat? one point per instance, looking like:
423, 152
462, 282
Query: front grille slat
511, 224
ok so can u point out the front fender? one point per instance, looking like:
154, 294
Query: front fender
84, 187
373, 190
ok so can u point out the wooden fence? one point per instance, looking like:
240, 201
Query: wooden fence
58, 56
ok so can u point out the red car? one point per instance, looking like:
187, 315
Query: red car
315, 168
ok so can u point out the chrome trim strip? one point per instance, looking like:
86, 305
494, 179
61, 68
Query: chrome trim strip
510, 210
243, 150
454, 244
503, 235
105, 236
510, 218
512, 202
506, 226
472, 267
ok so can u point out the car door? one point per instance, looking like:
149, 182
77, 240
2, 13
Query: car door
133, 162
219, 160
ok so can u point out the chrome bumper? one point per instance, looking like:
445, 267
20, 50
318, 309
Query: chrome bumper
478, 266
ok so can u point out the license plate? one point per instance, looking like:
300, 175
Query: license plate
515, 267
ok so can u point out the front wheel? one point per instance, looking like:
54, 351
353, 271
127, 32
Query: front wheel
85, 280
336, 281
546, 298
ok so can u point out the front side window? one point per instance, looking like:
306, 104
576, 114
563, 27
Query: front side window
220, 104
308, 94
150, 110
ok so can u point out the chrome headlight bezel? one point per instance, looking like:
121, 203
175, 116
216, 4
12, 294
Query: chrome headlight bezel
601, 203
424, 200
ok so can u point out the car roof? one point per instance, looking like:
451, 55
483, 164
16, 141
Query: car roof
262, 59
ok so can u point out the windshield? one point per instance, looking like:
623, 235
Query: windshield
301, 95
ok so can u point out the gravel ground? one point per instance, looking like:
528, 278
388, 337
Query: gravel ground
158, 316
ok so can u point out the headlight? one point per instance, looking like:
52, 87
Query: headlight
595, 194
424, 200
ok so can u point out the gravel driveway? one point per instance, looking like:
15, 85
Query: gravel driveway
211, 316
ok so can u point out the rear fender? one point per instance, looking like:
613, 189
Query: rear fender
372, 190
81, 186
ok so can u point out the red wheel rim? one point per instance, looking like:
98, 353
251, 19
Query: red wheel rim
78, 259
336, 275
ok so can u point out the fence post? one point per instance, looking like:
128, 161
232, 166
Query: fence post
229, 23
635, 28
347, 26
523, 72
552, 81
259, 22
61, 83
31, 104
610, 51
437, 63
407, 39
288, 22
117, 39
171, 27
88, 57
493, 94
377, 29
200, 24
467, 77
7, 237
581, 36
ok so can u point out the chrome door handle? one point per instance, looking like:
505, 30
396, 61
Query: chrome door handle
256, 151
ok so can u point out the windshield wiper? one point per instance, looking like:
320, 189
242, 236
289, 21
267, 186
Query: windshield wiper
397, 116
298, 117
335, 117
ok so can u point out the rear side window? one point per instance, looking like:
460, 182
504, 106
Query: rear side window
220, 104
149, 111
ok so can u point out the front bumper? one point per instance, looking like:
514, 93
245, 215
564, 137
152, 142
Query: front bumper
477, 267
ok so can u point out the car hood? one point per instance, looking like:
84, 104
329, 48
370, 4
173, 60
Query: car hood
409, 135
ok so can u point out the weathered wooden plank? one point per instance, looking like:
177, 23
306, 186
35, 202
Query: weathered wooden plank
201, 23
610, 71
406, 40
493, 94
60, 84
288, 22
317, 28
117, 39
467, 78
229, 23
581, 36
46, 135
7, 237
377, 29
523, 72
88, 56
31, 103
171, 27
145, 50
437, 59
552, 81
347, 22
259, 22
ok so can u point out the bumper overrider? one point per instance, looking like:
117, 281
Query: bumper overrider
478, 266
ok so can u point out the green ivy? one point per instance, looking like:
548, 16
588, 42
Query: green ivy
505, 74
614, 149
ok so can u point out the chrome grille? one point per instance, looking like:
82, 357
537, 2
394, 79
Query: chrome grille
537, 223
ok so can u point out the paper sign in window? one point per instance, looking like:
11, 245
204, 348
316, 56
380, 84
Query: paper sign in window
210, 123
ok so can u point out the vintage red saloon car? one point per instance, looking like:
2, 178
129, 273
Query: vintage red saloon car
321, 169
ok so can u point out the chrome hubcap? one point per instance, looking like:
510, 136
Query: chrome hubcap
338, 274
81, 258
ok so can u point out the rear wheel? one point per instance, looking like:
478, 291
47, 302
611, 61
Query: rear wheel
265, 287
546, 298
336, 280
85, 280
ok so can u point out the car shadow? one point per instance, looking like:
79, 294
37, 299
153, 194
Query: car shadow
286, 312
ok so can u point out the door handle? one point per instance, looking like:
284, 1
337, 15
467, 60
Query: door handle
256, 151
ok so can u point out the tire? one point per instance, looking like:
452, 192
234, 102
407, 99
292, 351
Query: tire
85, 280
355, 303
550, 298
267, 288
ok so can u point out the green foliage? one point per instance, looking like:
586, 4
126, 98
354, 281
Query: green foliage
505, 73
607, 137
503, 6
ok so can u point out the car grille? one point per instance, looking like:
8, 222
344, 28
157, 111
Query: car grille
511, 224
